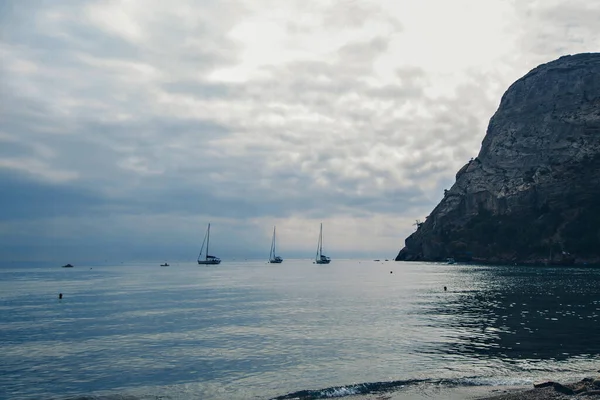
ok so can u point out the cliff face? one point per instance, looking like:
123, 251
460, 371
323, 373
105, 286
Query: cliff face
532, 195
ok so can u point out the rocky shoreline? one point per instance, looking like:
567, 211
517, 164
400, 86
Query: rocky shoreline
588, 388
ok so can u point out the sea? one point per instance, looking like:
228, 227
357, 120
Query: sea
246, 329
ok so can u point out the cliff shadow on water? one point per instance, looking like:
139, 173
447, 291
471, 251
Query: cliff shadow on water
532, 195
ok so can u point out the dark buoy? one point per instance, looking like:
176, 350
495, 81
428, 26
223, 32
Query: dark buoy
60, 296
445, 288
391, 272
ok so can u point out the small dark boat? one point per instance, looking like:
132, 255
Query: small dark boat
67, 266
164, 265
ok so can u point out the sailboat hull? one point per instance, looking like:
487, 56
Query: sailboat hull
322, 261
276, 260
209, 262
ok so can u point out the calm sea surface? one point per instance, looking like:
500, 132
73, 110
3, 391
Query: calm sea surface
251, 330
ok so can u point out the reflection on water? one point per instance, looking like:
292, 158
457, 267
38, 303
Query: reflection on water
256, 330
516, 313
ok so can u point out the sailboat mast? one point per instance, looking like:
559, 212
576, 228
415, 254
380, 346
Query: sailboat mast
202, 247
321, 240
273, 241
207, 241
272, 244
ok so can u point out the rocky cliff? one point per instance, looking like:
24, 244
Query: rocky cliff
532, 195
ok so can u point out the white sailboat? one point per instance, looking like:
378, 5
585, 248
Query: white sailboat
274, 259
320, 258
208, 259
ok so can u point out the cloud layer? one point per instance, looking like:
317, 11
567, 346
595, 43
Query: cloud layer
126, 126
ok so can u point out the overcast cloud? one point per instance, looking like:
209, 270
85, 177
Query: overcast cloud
126, 126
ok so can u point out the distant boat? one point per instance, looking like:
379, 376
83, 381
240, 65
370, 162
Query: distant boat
320, 258
208, 259
274, 259
450, 260
164, 265
67, 266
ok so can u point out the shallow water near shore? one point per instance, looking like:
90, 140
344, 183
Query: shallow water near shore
252, 330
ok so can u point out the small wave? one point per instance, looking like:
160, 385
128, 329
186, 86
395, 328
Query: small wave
380, 387
347, 390
114, 397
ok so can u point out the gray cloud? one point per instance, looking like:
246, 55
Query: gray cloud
23, 198
558, 28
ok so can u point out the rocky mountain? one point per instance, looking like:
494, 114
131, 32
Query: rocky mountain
532, 195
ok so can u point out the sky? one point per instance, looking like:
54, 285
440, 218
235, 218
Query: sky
126, 126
